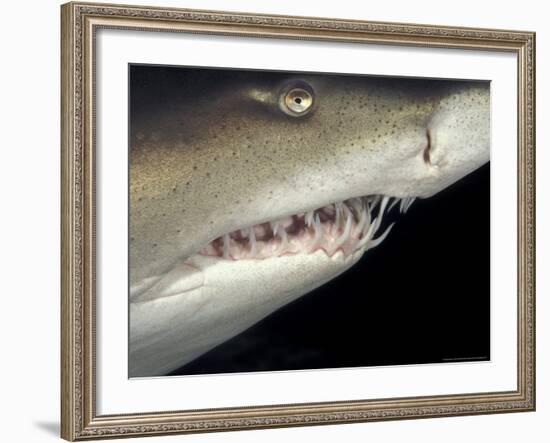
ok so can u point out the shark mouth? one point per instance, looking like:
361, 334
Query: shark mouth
348, 226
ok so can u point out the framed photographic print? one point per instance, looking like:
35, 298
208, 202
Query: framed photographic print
282, 221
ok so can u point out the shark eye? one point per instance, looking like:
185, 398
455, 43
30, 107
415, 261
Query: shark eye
298, 100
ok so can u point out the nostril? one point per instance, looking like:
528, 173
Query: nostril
427, 149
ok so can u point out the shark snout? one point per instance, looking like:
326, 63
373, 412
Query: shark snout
457, 143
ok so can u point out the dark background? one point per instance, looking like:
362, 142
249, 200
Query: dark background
422, 296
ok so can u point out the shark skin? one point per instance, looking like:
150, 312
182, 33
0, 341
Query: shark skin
210, 158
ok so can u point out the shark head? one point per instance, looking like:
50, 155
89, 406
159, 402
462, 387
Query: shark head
250, 189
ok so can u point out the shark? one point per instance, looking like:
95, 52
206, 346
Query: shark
249, 189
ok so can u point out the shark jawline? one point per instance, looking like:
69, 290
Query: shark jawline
348, 226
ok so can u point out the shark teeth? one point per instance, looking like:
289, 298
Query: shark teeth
349, 226
345, 235
318, 233
226, 241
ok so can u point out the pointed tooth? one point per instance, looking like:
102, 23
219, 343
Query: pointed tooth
226, 241
357, 206
393, 204
345, 235
274, 227
380, 215
245, 232
403, 204
411, 200
317, 236
374, 202
338, 209
346, 212
368, 225
362, 220
367, 235
284, 240
380, 239
317, 224
309, 218
383, 205
252, 240
369, 215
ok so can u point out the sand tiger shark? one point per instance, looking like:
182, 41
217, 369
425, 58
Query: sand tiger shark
250, 189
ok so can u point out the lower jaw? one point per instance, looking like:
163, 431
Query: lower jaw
220, 299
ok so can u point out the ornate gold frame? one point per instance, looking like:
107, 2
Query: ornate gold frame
79, 420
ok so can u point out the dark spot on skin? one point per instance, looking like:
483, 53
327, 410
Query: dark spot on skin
154, 245
195, 167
